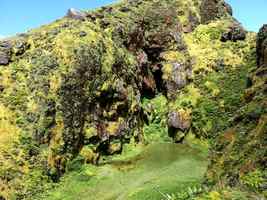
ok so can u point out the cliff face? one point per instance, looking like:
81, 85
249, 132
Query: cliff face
89, 83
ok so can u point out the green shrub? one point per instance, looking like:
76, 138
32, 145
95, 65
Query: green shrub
254, 180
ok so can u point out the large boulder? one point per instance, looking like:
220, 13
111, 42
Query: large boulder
262, 46
179, 122
178, 77
214, 9
234, 33
20, 47
4, 58
5, 52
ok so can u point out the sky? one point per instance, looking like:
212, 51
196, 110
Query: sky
251, 13
17, 16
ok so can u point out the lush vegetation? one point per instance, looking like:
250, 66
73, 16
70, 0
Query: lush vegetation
93, 107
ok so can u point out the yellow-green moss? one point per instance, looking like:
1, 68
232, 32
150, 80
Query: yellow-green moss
113, 127
213, 88
68, 41
9, 137
174, 56
188, 97
89, 131
205, 47
9, 132
89, 155
55, 82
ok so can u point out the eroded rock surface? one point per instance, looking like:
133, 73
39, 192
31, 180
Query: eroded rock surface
262, 46
76, 14
178, 123
214, 9
236, 32
5, 52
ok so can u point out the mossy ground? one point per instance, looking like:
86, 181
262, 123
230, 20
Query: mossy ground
158, 168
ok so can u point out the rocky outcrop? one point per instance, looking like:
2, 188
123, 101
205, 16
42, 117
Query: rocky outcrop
262, 46
193, 22
9, 48
214, 9
76, 14
236, 32
5, 52
179, 77
179, 120
179, 123
20, 46
100, 97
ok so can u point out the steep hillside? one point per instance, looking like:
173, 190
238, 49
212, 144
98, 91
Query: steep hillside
95, 84
239, 153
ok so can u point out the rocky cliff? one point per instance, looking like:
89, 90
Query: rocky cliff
93, 81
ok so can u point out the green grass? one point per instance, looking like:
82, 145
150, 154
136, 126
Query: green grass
163, 167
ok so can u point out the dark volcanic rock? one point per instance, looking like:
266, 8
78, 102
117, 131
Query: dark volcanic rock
149, 86
4, 59
208, 10
236, 32
125, 9
6, 45
194, 22
76, 14
213, 9
177, 36
20, 47
5, 52
179, 77
2, 198
179, 120
262, 46
82, 34
179, 123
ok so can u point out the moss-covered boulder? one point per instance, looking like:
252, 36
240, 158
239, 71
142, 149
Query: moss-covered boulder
5, 52
236, 32
214, 9
179, 122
